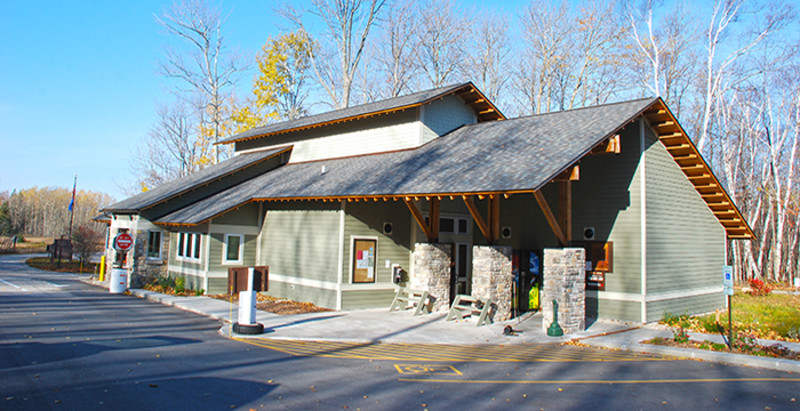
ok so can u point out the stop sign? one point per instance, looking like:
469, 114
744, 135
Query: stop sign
123, 242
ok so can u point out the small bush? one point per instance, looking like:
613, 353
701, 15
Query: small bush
673, 320
711, 326
180, 284
759, 288
680, 335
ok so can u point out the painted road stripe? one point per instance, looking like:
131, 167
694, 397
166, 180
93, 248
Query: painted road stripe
606, 382
447, 353
13, 285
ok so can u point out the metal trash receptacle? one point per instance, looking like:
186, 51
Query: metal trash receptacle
119, 281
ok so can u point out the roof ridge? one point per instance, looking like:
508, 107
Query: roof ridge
584, 108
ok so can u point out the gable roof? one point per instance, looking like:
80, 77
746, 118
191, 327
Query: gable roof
484, 109
482, 158
520, 155
184, 184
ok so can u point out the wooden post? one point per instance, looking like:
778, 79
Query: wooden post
565, 209
434, 220
494, 216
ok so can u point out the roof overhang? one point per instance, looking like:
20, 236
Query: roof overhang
484, 109
692, 163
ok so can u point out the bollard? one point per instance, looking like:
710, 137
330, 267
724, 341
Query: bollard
247, 309
555, 330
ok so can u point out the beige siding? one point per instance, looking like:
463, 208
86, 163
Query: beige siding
376, 134
443, 116
318, 296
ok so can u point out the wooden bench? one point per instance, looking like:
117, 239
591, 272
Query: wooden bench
407, 297
466, 305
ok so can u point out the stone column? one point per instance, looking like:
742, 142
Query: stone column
565, 282
432, 265
492, 277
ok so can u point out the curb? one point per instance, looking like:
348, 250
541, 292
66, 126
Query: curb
777, 364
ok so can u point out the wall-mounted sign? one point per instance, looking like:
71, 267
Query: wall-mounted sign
364, 260
123, 242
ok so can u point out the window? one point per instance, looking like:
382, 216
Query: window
189, 246
233, 248
447, 225
154, 244
364, 260
463, 226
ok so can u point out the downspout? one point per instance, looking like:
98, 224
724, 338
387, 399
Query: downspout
643, 216
340, 262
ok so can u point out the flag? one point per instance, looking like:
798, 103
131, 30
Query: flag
72, 202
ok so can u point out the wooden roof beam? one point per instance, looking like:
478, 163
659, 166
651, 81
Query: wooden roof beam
418, 217
551, 219
476, 216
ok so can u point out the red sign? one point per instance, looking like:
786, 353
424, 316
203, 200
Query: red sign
123, 242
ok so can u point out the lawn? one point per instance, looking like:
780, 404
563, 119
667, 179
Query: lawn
66, 266
774, 316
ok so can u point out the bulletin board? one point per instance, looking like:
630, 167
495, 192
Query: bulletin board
364, 260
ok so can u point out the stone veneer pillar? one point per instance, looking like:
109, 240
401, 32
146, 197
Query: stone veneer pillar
492, 277
432, 266
565, 282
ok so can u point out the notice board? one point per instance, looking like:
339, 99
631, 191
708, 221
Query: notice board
364, 260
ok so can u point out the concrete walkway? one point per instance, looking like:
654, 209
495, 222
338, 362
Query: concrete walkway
381, 326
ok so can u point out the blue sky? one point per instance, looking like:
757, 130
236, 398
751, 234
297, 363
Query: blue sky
79, 86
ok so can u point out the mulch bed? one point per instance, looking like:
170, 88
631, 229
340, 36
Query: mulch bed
276, 305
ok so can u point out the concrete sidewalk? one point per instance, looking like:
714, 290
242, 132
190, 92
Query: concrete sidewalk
381, 326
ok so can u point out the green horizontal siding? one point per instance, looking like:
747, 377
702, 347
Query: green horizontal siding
318, 296
685, 241
356, 299
693, 305
613, 309
366, 220
302, 243
608, 198
217, 285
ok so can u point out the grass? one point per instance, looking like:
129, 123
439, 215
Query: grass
30, 245
773, 317
66, 266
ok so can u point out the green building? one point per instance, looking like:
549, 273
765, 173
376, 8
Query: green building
333, 202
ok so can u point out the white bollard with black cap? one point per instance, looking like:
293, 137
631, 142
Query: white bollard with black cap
247, 309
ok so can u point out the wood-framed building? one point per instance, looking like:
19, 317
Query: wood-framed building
332, 202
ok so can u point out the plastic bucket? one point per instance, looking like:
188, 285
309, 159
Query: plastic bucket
119, 281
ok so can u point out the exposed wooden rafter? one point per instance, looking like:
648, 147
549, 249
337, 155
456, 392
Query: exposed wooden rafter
551, 219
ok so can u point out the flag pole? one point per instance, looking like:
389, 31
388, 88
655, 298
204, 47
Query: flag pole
72, 206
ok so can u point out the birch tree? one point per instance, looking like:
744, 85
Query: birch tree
347, 26
441, 39
203, 68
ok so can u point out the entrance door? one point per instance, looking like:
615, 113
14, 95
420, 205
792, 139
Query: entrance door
454, 229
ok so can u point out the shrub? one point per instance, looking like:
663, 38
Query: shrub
759, 288
680, 335
180, 284
673, 320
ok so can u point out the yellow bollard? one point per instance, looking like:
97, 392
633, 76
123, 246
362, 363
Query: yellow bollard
102, 267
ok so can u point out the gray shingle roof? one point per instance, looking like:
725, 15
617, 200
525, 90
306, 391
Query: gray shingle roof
345, 113
498, 156
165, 191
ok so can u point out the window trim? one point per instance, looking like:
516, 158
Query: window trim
160, 244
188, 247
240, 260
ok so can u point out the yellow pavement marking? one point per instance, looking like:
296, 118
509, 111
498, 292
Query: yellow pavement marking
568, 382
426, 369
447, 353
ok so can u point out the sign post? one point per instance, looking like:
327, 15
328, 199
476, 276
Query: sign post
727, 287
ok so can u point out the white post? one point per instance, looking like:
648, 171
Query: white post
247, 301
